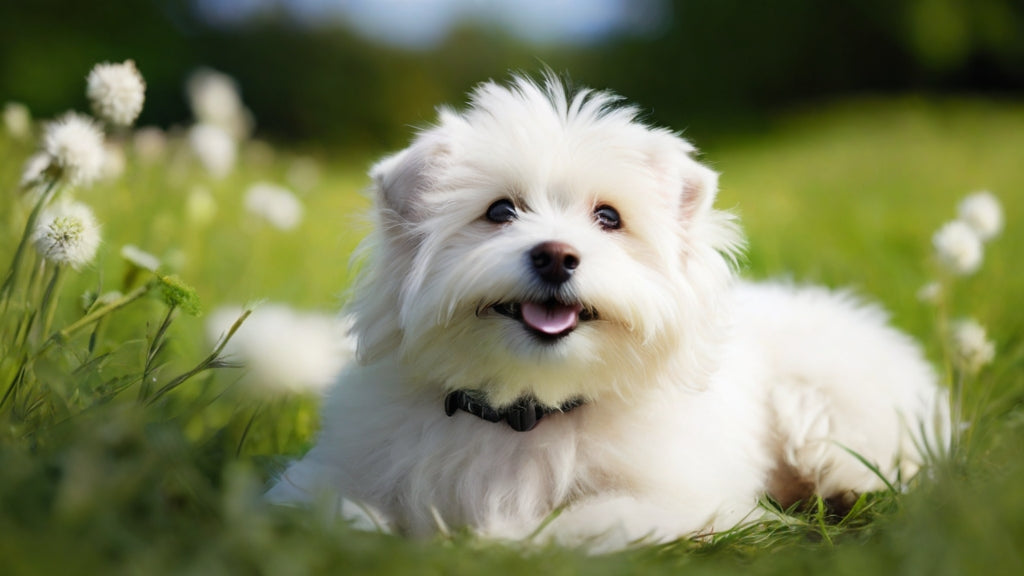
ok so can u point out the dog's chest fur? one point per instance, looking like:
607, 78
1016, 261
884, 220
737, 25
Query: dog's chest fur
460, 470
400, 453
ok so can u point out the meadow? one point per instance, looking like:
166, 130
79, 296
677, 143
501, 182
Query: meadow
111, 462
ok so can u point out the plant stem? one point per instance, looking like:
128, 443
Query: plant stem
957, 410
155, 345
94, 316
29, 313
50, 298
211, 361
12, 272
245, 431
19, 377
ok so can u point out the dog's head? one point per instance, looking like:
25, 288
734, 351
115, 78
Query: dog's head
544, 243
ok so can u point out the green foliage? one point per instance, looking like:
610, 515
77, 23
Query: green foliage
128, 452
177, 293
705, 61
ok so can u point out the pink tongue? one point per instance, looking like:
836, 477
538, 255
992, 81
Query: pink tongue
550, 319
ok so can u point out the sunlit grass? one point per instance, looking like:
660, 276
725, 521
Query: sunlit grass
845, 196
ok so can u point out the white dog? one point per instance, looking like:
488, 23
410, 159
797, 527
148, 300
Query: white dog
549, 326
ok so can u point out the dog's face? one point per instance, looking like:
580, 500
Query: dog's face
544, 245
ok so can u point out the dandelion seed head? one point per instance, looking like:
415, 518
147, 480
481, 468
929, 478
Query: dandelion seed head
116, 91
983, 213
215, 99
972, 349
149, 144
67, 234
75, 145
275, 204
113, 162
17, 120
139, 257
214, 147
958, 248
34, 170
200, 206
303, 174
930, 293
284, 350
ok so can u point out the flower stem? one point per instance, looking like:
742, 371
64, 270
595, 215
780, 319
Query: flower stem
155, 346
957, 410
50, 298
248, 427
19, 377
94, 316
12, 272
211, 361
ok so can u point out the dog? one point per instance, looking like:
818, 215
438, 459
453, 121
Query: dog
553, 343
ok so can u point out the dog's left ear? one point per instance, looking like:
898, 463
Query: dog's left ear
694, 184
700, 186
402, 178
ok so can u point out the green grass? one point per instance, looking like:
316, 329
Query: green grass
847, 195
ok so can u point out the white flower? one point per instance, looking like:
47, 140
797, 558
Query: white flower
283, 349
983, 213
215, 148
149, 144
930, 293
959, 249
113, 162
139, 257
75, 144
303, 174
34, 169
17, 120
971, 347
214, 99
200, 206
277, 205
67, 233
116, 92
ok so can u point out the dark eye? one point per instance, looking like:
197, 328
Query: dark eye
502, 211
607, 217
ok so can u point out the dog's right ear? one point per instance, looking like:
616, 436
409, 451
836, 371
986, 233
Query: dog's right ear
402, 178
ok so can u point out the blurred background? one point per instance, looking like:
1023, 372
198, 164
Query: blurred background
354, 74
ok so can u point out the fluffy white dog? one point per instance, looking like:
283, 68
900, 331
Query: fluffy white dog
549, 326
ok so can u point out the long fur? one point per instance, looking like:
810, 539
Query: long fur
702, 392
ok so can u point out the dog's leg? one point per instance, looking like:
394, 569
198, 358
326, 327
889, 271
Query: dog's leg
303, 484
853, 402
614, 522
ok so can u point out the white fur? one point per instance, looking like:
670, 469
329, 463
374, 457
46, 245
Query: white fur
702, 393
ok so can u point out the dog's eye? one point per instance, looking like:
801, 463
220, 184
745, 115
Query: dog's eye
607, 217
502, 211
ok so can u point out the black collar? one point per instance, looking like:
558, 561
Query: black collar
522, 416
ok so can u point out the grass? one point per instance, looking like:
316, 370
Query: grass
93, 482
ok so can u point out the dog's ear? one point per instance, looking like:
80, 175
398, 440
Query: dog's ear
692, 186
700, 186
401, 178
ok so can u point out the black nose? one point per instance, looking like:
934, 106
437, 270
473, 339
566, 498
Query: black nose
554, 262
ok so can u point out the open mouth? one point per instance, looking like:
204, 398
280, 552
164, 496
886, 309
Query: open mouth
550, 320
